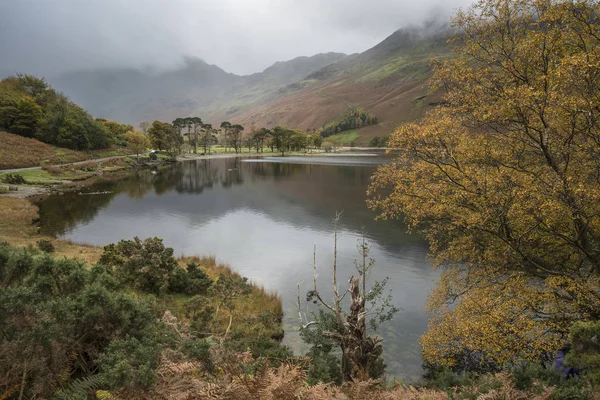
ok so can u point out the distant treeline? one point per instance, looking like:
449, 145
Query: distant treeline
30, 107
356, 118
171, 137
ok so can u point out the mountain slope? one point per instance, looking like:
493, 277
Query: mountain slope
133, 95
388, 80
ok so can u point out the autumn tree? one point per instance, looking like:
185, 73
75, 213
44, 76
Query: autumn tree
504, 180
137, 142
117, 130
157, 133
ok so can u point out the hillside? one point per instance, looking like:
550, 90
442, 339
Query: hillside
132, 95
388, 80
18, 152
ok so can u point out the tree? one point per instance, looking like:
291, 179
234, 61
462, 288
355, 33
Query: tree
144, 125
197, 125
317, 141
31, 84
178, 124
27, 118
281, 136
234, 133
361, 353
503, 180
158, 134
173, 140
208, 137
117, 130
226, 129
259, 137
298, 140
137, 141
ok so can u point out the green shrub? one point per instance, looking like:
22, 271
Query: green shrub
585, 350
191, 281
52, 309
199, 350
13, 179
526, 374
145, 265
46, 246
572, 392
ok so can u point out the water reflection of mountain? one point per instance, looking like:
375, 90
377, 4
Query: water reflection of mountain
204, 190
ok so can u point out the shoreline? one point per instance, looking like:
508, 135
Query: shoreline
32, 190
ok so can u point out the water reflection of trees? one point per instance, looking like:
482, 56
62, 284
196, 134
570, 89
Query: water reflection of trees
60, 214
314, 190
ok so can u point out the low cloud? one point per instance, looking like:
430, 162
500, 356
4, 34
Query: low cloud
241, 36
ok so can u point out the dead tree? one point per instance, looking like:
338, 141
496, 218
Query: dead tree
359, 350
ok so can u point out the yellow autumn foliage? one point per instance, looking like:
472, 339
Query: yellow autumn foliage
504, 180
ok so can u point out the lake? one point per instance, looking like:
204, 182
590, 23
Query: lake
263, 217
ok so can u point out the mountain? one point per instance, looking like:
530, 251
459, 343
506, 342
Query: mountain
132, 95
388, 80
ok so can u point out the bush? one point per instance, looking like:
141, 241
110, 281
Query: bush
199, 350
191, 281
327, 146
46, 246
145, 265
13, 179
585, 349
526, 374
51, 310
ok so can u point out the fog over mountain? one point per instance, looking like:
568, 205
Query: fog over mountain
50, 37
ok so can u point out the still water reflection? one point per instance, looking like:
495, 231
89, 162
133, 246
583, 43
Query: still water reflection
262, 217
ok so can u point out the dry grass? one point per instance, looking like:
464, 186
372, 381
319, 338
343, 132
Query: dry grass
17, 151
21, 152
17, 218
245, 310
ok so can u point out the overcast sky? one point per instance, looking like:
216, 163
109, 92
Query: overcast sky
240, 36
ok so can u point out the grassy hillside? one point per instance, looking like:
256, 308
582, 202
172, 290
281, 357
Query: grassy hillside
21, 152
389, 81
18, 151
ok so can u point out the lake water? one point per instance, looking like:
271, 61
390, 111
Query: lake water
262, 217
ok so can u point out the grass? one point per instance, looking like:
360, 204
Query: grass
37, 177
344, 138
244, 309
21, 152
53, 174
